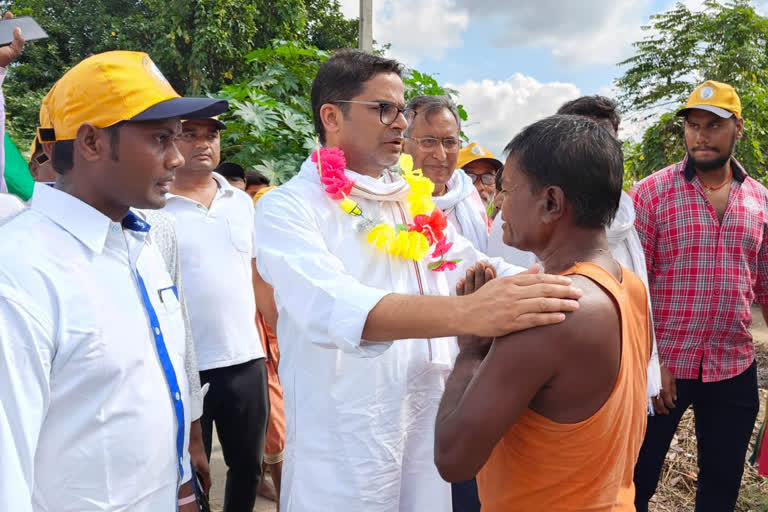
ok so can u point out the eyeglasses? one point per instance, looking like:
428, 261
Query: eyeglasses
487, 179
450, 144
388, 112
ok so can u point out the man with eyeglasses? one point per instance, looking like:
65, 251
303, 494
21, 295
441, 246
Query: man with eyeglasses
367, 337
481, 166
432, 139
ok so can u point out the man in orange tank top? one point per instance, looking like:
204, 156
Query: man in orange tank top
552, 418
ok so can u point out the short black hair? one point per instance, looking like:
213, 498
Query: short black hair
596, 107
342, 77
255, 178
575, 154
230, 170
64, 150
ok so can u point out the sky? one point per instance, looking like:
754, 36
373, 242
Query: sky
516, 61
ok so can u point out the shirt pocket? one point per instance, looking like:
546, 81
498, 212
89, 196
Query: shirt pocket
169, 316
240, 235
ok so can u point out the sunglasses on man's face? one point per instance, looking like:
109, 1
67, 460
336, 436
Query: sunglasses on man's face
486, 179
41, 158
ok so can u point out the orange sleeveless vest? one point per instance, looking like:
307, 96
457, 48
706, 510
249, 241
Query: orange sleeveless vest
540, 465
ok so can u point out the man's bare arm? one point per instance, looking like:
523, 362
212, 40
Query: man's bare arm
265, 298
485, 396
502, 306
764, 309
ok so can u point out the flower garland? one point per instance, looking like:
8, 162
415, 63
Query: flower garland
410, 241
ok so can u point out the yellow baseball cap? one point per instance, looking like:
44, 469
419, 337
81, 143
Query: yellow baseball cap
715, 97
475, 152
111, 87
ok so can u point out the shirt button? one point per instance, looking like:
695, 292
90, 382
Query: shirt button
178, 396
717, 292
157, 331
200, 207
115, 228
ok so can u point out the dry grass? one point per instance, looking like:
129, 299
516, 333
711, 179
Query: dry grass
677, 488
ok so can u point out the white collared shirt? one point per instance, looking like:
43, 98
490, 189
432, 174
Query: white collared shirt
216, 247
87, 422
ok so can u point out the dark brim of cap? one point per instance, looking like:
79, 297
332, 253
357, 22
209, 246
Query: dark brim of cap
725, 114
186, 108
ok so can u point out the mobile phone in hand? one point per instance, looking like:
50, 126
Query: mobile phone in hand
30, 30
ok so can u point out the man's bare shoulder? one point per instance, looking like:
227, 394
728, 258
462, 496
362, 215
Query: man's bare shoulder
596, 307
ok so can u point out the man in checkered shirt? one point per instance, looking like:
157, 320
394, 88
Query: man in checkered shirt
703, 223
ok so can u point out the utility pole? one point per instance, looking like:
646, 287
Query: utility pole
365, 40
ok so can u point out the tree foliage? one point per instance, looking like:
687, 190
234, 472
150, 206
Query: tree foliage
727, 42
269, 127
199, 45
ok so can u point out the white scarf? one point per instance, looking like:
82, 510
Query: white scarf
622, 231
389, 187
473, 226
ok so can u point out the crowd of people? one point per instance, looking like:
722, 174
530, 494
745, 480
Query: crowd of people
408, 324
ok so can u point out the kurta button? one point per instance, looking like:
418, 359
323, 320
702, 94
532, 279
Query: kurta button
178, 396
157, 331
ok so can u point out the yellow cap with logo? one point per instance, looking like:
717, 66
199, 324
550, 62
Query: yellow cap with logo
474, 152
111, 87
716, 97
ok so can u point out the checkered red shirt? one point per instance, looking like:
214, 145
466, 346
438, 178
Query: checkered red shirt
703, 277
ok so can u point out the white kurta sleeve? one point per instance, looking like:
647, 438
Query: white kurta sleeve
312, 287
464, 250
26, 354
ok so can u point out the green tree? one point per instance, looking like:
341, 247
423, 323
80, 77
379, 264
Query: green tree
199, 44
327, 28
726, 42
269, 125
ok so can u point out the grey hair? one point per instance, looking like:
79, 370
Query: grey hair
428, 105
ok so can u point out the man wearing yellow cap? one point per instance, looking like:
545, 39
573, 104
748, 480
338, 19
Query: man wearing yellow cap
92, 382
702, 224
481, 166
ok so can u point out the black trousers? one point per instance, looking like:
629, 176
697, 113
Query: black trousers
725, 414
238, 402
464, 496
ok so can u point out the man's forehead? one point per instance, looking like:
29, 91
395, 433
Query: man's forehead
387, 87
438, 122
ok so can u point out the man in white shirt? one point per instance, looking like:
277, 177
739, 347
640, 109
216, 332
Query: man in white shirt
214, 226
366, 336
92, 383
432, 139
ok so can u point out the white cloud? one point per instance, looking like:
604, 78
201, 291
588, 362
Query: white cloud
600, 32
499, 109
415, 28
350, 8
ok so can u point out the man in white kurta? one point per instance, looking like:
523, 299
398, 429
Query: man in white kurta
433, 142
359, 414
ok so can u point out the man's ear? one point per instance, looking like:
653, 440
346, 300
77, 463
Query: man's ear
739, 127
332, 118
553, 204
91, 143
